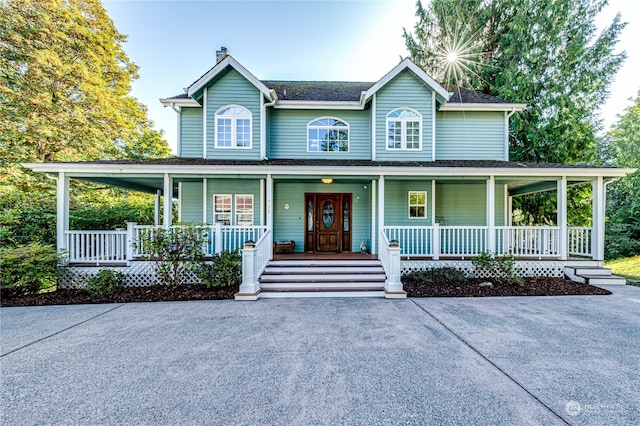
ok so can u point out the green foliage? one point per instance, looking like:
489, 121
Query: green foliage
101, 216
438, 276
544, 53
621, 147
225, 270
628, 267
174, 251
501, 268
65, 84
104, 282
27, 269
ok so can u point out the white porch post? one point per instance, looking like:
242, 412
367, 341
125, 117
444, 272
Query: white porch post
597, 233
62, 210
562, 217
269, 203
491, 214
380, 205
510, 210
435, 236
156, 208
205, 194
168, 198
374, 232
262, 202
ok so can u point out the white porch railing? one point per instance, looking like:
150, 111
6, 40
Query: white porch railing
124, 245
579, 241
218, 237
97, 246
463, 241
528, 240
254, 261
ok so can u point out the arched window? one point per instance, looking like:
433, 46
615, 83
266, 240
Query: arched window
327, 134
404, 129
233, 127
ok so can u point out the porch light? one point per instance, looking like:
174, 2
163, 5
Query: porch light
327, 180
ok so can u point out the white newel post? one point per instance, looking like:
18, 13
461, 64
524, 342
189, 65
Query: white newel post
156, 208
435, 242
562, 217
168, 199
250, 284
597, 233
218, 238
62, 210
393, 284
491, 215
130, 241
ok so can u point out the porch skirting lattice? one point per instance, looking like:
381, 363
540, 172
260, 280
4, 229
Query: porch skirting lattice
528, 268
138, 274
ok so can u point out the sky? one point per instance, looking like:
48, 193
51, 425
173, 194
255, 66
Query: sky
174, 43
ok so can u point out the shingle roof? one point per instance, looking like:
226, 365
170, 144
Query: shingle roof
319, 163
318, 90
466, 96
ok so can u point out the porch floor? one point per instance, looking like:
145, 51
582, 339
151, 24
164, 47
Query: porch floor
324, 256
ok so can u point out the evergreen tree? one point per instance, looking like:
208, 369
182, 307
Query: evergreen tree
544, 53
621, 147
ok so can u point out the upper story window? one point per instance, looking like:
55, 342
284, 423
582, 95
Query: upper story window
327, 134
233, 127
404, 129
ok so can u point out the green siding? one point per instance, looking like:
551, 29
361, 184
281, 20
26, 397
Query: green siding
465, 204
289, 134
190, 132
470, 135
191, 202
404, 90
396, 202
267, 133
234, 187
233, 89
288, 223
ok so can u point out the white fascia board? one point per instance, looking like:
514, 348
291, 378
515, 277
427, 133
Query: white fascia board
458, 106
436, 172
180, 102
337, 105
408, 63
220, 66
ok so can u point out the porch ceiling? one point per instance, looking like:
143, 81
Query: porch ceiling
143, 184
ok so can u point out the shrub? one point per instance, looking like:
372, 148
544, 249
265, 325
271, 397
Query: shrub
500, 268
28, 269
438, 276
174, 251
105, 281
225, 270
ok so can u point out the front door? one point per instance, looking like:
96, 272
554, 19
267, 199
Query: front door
328, 222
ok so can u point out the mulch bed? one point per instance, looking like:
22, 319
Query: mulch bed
540, 286
154, 293
535, 286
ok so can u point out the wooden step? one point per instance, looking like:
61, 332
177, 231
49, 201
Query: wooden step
590, 270
605, 280
322, 285
314, 262
315, 270
317, 278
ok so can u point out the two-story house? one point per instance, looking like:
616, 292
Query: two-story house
400, 168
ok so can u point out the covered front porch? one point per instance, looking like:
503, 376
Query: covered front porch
399, 212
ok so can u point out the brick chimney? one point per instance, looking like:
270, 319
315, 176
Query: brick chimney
221, 54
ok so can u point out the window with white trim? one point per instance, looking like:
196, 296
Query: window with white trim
327, 134
244, 209
404, 129
222, 209
233, 127
417, 204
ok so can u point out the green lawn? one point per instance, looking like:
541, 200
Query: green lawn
628, 267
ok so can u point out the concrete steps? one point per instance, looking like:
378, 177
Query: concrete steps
323, 278
593, 275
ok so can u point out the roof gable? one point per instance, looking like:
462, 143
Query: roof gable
442, 95
221, 67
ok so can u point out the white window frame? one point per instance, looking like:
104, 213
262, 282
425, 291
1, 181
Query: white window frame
403, 129
236, 210
426, 199
346, 127
215, 212
234, 127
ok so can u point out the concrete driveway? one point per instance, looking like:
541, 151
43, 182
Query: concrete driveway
533, 360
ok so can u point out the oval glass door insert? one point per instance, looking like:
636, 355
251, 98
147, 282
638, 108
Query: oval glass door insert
327, 214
